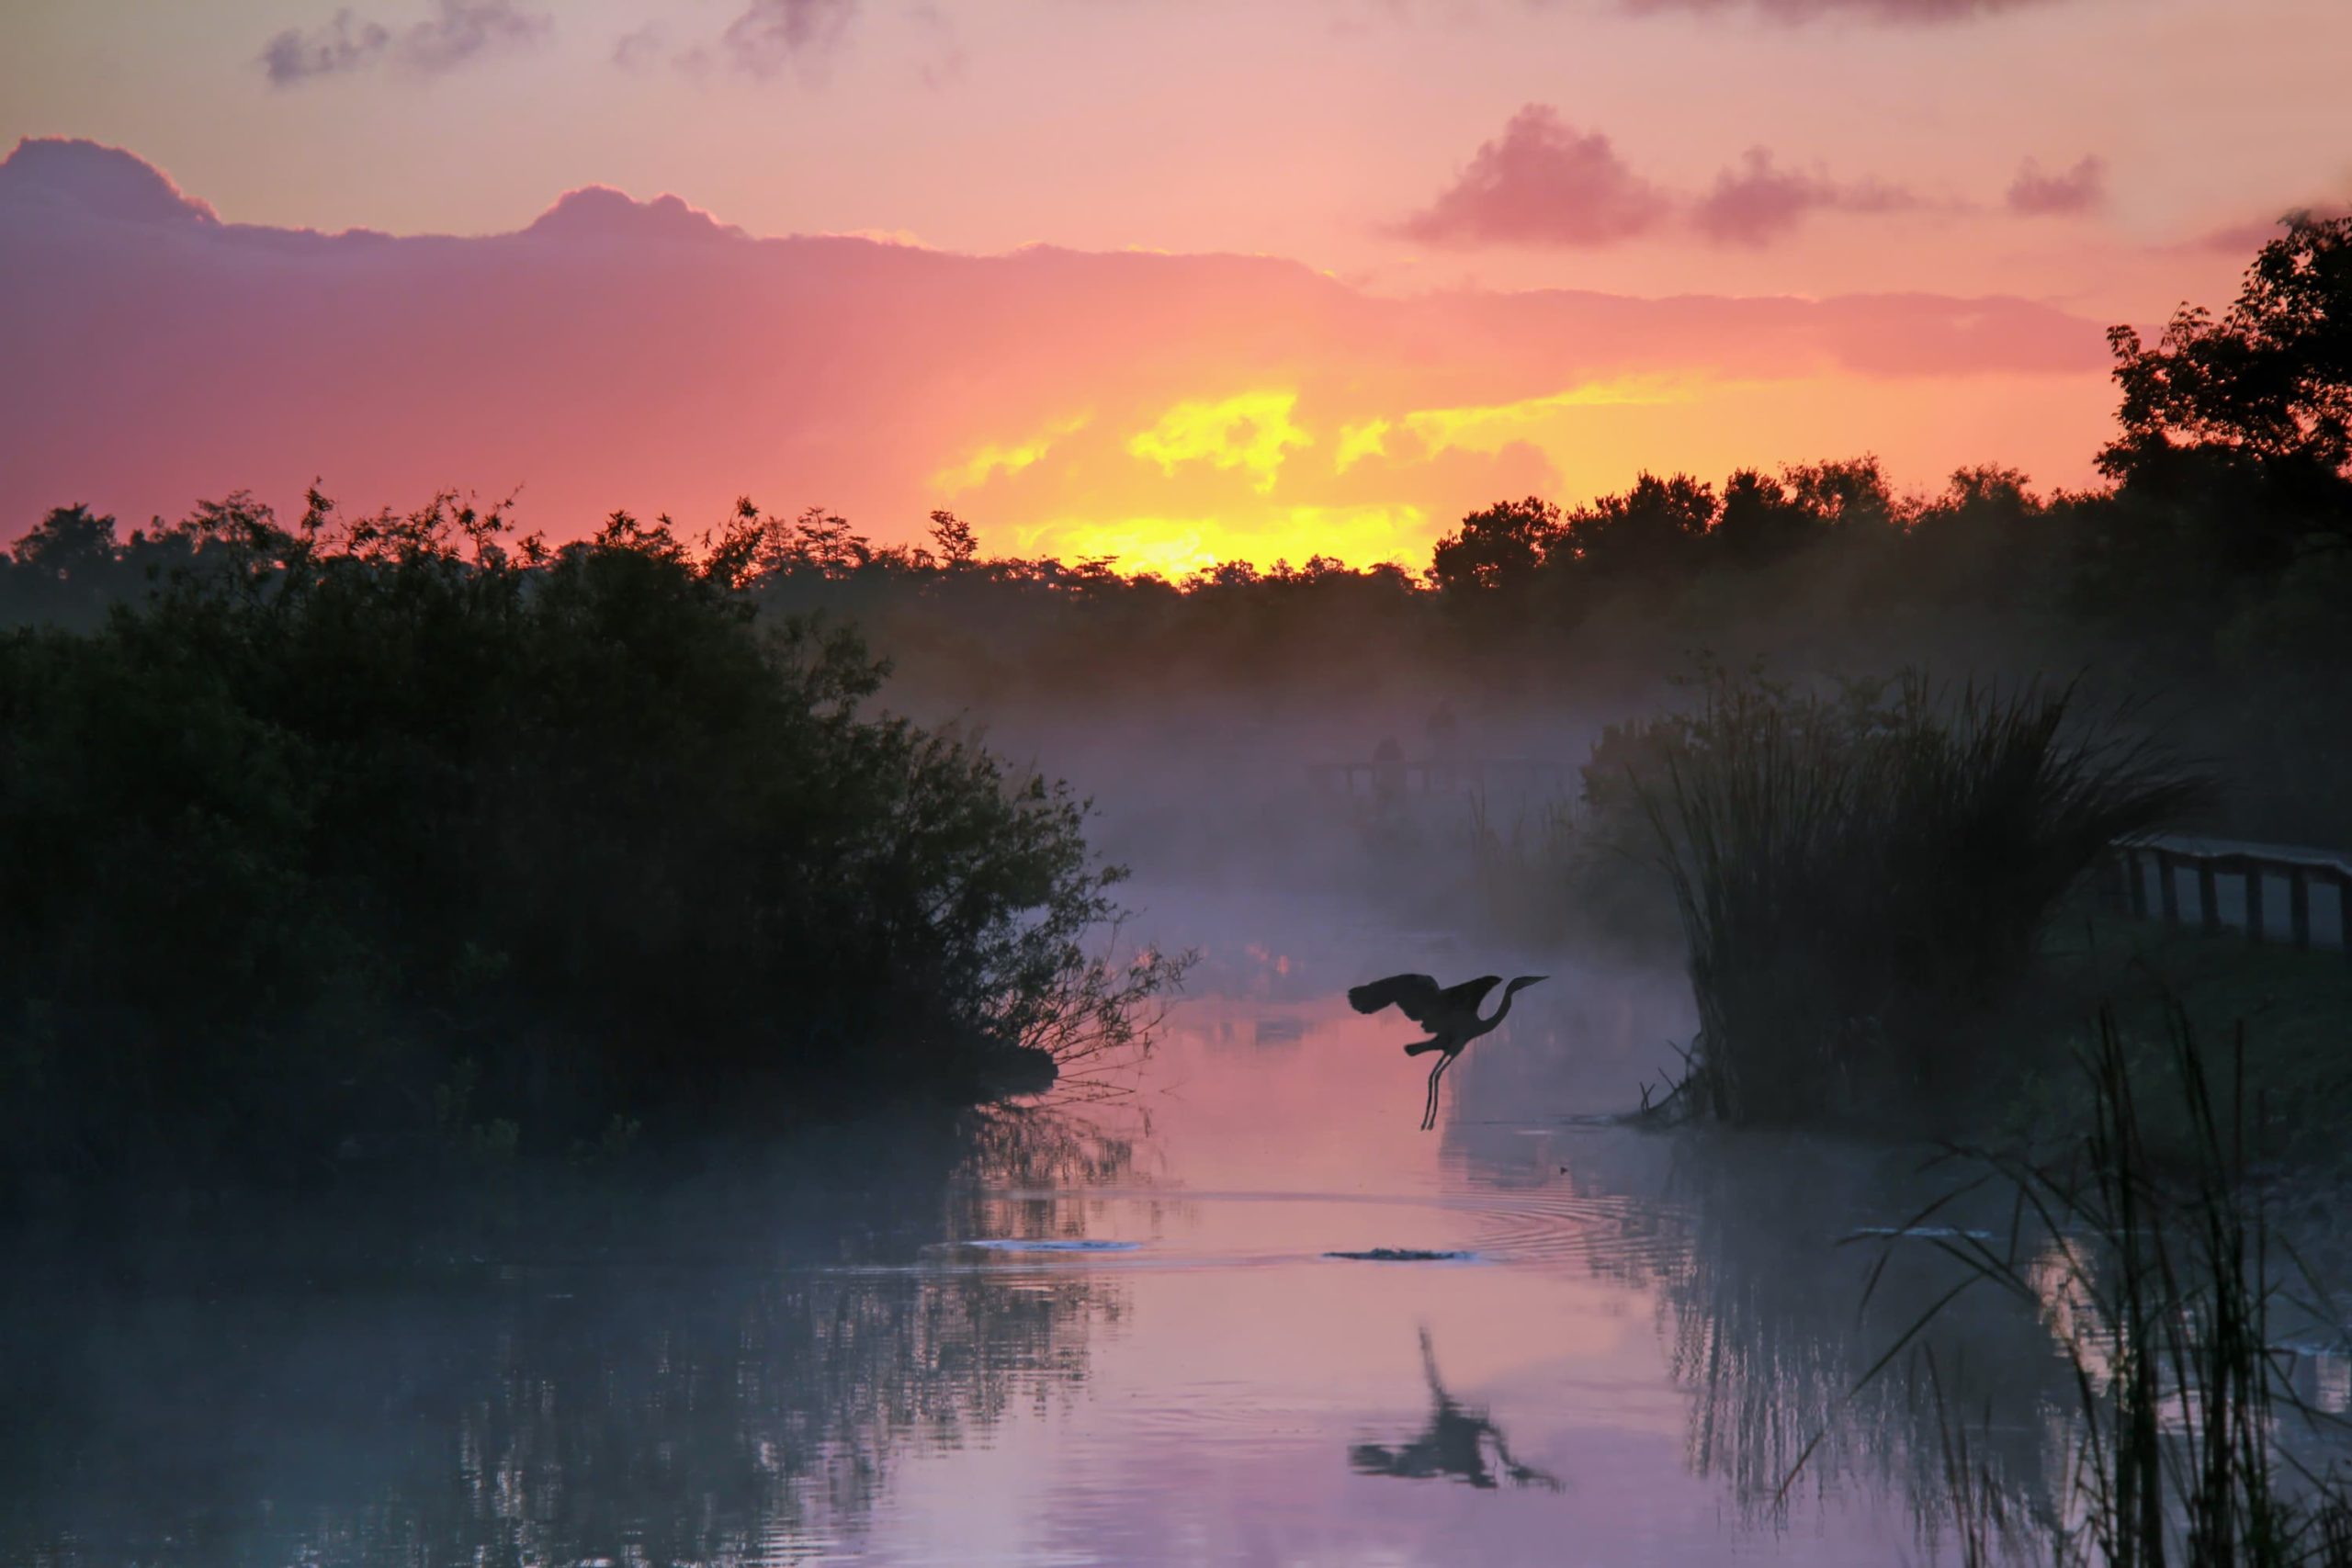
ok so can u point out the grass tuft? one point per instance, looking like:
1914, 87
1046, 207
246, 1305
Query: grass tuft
1862, 875
2162, 1285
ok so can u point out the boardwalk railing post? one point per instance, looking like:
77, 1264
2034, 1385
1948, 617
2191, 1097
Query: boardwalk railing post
2255, 870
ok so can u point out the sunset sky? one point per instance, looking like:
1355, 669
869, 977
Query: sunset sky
1177, 280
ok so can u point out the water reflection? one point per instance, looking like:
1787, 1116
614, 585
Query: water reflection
653, 1396
809, 1363
1453, 1445
1780, 1304
1772, 1298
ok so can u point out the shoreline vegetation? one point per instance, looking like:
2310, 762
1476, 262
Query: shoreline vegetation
2178, 1421
1864, 880
350, 841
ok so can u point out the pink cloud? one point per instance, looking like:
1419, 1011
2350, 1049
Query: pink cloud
770, 35
456, 32
1541, 182
2078, 189
639, 48
2244, 238
1758, 202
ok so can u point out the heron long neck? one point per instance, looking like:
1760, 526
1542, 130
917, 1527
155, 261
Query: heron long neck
1487, 1025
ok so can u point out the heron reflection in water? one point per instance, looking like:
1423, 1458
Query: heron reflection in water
1451, 1015
1453, 1445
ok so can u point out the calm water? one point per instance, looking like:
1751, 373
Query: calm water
820, 1362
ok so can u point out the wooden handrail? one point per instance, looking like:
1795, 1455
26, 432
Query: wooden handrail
2145, 881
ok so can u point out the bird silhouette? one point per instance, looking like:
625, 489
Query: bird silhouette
1453, 1444
1451, 1015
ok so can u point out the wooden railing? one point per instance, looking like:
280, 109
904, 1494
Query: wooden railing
2266, 892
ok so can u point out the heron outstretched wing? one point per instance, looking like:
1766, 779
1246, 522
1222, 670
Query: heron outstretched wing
1466, 997
1415, 996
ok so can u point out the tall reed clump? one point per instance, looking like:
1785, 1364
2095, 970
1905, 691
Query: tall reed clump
1862, 873
2163, 1283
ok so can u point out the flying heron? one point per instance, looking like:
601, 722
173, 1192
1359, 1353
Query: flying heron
1451, 1015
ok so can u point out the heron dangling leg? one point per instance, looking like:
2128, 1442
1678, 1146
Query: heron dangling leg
1429, 1114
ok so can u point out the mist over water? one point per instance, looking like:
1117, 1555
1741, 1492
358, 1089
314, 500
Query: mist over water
802, 1355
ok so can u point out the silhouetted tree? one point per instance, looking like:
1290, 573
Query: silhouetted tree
2271, 380
1498, 547
1986, 537
1850, 495
1651, 532
2237, 447
1758, 524
71, 539
954, 538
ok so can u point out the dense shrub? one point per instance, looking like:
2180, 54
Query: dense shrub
335, 809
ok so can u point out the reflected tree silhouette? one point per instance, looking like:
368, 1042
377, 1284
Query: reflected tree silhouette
640, 1398
1453, 1445
1033, 1169
1773, 1308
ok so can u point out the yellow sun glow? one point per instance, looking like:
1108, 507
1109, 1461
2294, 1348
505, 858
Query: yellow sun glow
1369, 439
992, 458
1177, 547
1484, 428
1252, 431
